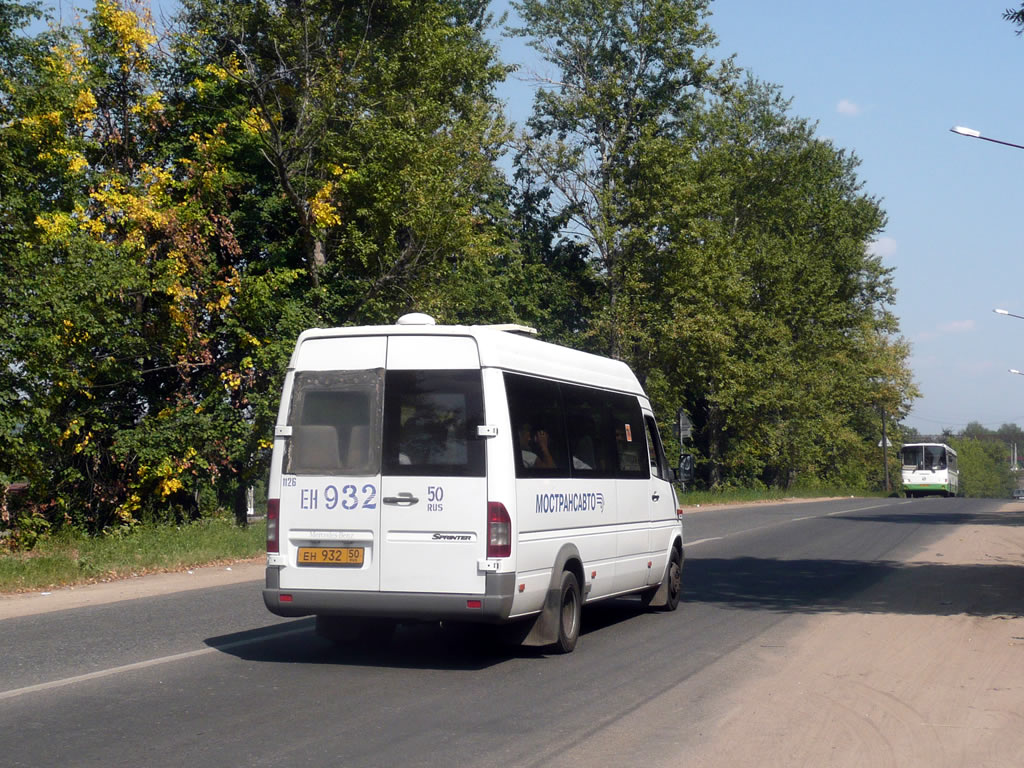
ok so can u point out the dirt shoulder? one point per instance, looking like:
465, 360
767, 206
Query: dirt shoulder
939, 684
28, 603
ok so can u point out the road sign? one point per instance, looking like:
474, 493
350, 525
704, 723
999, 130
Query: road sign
685, 425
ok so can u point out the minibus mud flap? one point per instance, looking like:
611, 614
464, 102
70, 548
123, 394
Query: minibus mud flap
545, 627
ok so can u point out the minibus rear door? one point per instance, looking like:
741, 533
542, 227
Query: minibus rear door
433, 483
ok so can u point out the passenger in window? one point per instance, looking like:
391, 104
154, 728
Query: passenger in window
535, 448
422, 436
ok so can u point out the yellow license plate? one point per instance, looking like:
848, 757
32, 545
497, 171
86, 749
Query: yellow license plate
331, 556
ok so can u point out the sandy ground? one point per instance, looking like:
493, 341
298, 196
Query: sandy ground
906, 689
938, 682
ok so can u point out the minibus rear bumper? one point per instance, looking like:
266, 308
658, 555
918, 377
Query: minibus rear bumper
493, 606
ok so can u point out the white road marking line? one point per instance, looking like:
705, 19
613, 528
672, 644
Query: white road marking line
702, 541
791, 520
858, 509
139, 665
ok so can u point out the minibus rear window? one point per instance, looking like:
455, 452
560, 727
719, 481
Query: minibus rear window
335, 418
430, 421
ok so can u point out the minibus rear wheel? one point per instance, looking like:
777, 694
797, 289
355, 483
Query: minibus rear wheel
570, 606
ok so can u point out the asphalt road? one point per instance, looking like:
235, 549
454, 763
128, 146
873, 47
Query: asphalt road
210, 678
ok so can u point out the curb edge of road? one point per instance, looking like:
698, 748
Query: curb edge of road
17, 604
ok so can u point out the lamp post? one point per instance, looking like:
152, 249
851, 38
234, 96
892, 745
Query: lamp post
885, 451
1007, 313
970, 132
880, 381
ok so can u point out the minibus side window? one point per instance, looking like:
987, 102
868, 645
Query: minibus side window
655, 450
538, 426
630, 443
592, 447
335, 418
430, 421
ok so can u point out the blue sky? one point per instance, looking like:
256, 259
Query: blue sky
888, 80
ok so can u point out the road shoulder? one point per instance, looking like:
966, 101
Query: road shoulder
941, 684
28, 603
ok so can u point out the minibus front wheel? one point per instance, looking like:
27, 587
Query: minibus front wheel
666, 596
674, 574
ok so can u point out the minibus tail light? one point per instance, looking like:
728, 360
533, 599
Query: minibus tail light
499, 530
273, 526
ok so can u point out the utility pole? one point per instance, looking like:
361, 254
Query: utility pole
885, 451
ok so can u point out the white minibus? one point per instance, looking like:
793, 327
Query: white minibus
464, 474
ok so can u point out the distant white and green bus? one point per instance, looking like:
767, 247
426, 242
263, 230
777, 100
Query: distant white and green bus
929, 469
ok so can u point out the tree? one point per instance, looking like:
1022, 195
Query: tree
1016, 18
629, 73
129, 350
361, 140
773, 310
175, 220
376, 126
732, 244
984, 469
21, 187
110, 289
557, 289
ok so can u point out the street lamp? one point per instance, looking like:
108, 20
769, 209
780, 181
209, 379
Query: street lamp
959, 129
1010, 314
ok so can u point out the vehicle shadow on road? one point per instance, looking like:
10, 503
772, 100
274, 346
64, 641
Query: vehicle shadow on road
413, 646
817, 586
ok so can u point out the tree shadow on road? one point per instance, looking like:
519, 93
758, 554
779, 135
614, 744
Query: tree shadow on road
815, 586
937, 518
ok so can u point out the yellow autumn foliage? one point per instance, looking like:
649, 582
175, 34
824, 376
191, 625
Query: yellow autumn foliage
132, 33
322, 209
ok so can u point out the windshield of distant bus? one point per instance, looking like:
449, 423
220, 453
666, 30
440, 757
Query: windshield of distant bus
924, 457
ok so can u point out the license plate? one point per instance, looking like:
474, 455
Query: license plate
340, 557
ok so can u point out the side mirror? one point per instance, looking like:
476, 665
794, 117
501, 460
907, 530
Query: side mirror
684, 473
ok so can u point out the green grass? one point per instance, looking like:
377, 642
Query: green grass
749, 496
68, 560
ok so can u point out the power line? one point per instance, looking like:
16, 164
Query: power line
957, 424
